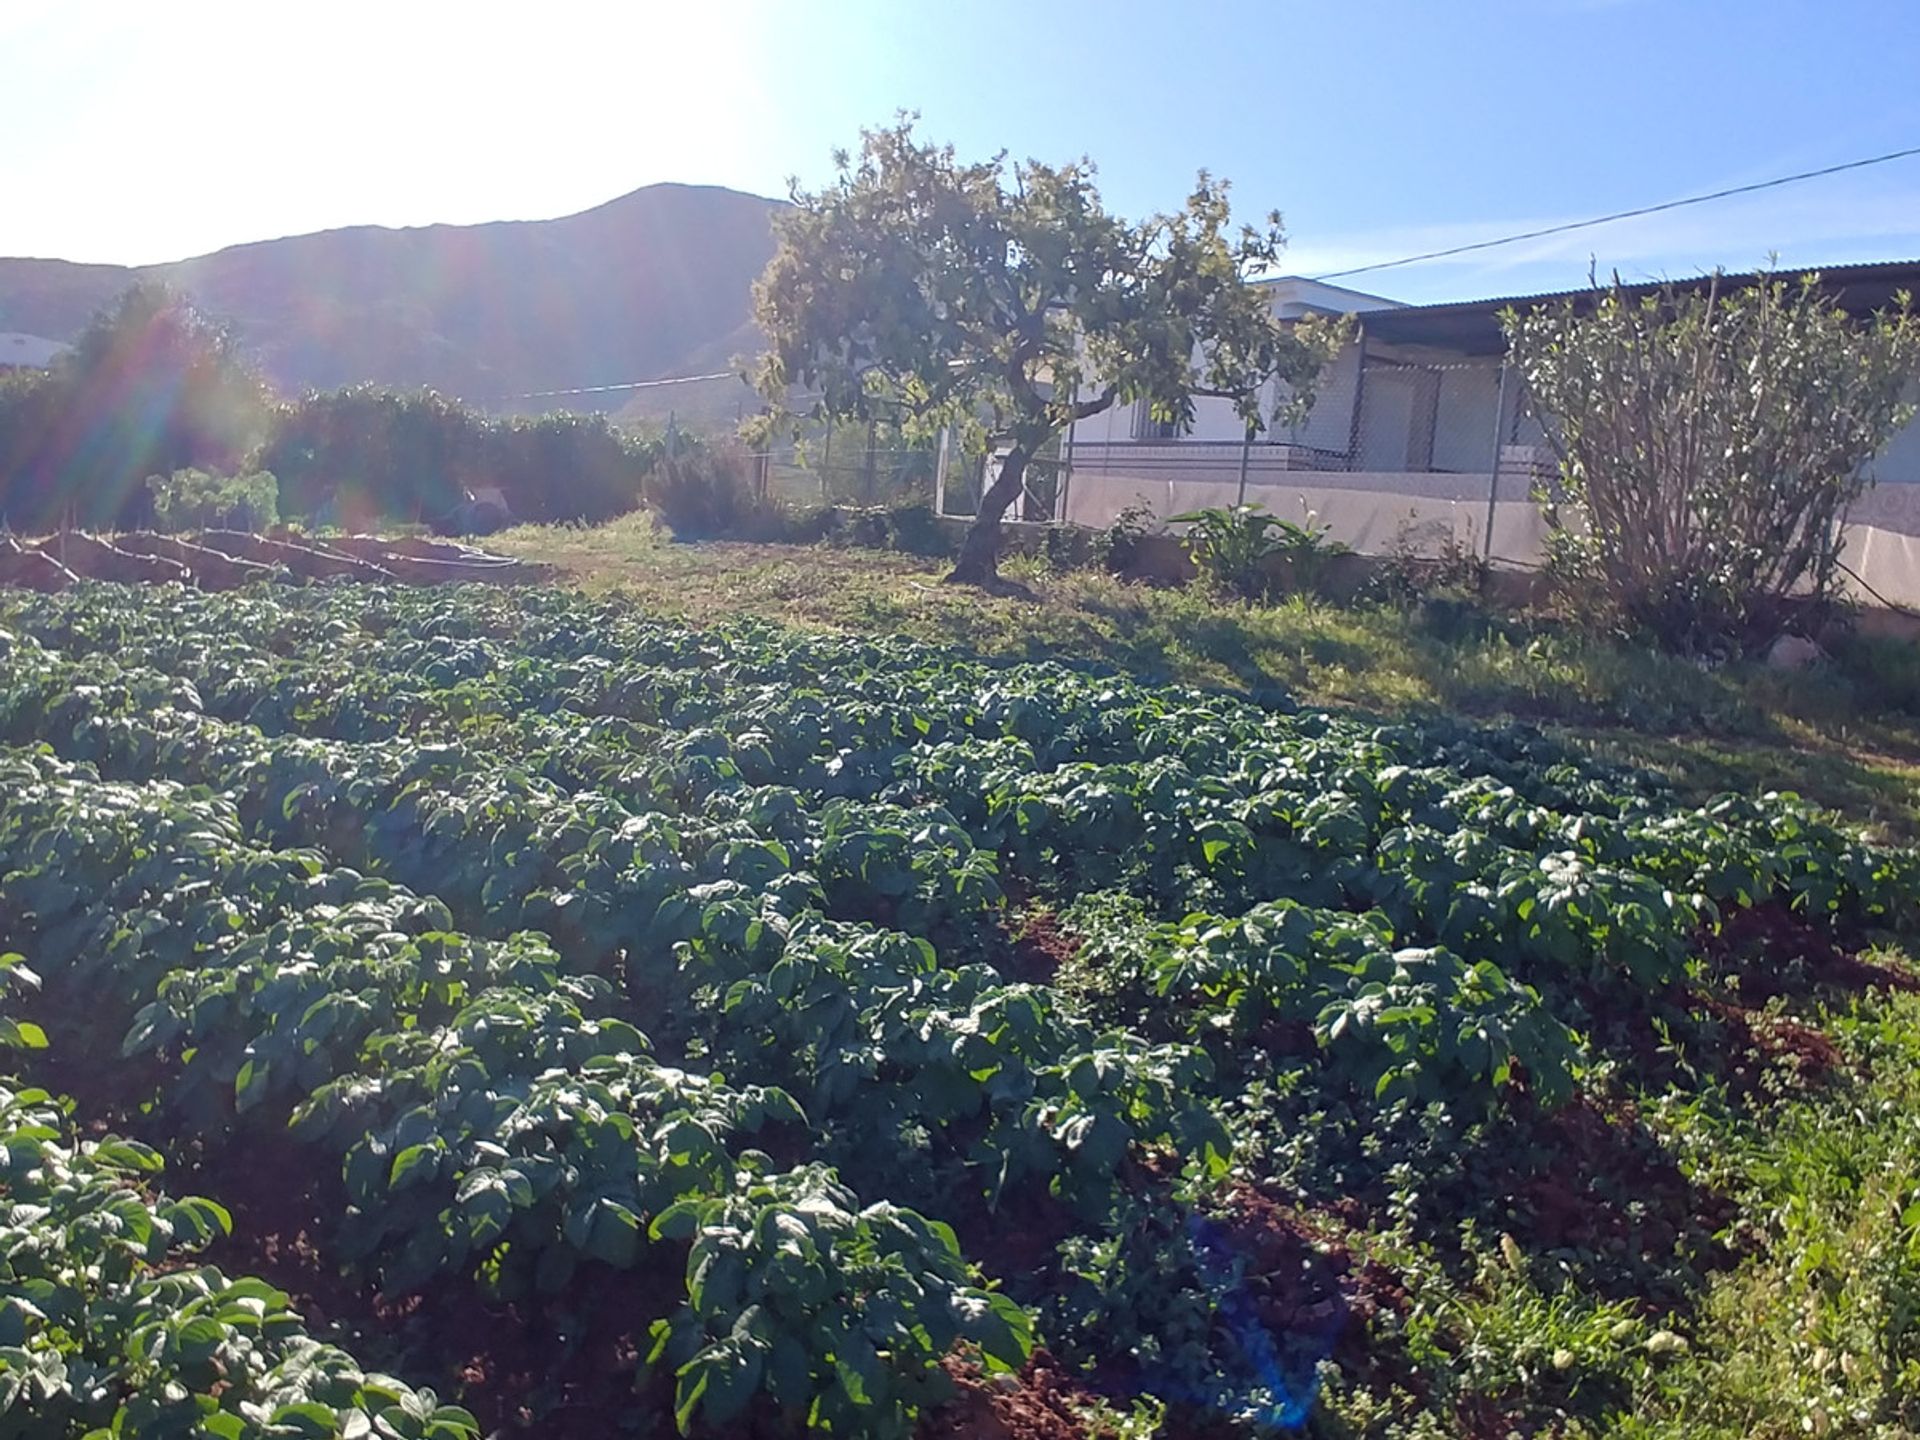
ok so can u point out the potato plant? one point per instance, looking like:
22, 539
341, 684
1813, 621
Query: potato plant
563, 943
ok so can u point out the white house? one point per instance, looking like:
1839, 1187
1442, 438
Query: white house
27, 352
1418, 433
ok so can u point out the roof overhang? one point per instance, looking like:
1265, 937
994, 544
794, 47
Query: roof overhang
1472, 327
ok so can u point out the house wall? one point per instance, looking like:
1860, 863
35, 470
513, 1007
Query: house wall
1329, 425
1416, 467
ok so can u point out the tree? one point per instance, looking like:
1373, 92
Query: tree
151, 386
1710, 443
1007, 302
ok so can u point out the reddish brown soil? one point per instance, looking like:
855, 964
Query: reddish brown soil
1042, 1402
1759, 1042
1037, 947
1017, 1239
1305, 1278
1773, 951
563, 1368
1593, 1178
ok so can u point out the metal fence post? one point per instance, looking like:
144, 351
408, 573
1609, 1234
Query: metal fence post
1493, 480
1066, 468
940, 474
826, 464
1359, 395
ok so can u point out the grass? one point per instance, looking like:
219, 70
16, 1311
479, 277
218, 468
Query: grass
1846, 735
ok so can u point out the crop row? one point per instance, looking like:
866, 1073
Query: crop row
486, 1115
480, 896
106, 1327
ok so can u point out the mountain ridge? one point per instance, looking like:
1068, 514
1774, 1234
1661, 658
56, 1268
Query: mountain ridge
651, 283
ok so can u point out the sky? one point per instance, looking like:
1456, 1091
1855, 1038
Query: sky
135, 132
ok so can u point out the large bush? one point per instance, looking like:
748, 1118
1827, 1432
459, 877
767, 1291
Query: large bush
151, 386
1710, 443
700, 489
364, 454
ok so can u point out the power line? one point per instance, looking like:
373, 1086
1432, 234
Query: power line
1366, 269
629, 385
1621, 215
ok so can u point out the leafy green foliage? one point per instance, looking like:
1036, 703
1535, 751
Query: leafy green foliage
195, 500
546, 927
107, 1330
1710, 443
1235, 547
358, 455
700, 489
151, 386
832, 1316
1009, 305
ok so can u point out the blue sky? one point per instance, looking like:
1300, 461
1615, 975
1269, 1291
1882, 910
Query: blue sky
137, 132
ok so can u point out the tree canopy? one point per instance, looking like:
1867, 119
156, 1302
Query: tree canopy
150, 387
1004, 301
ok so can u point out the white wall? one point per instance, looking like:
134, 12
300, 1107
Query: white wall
1292, 297
27, 350
1329, 425
1899, 463
1463, 438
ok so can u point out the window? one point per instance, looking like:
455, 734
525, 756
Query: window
1145, 427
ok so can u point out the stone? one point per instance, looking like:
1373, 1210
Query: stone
1794, 652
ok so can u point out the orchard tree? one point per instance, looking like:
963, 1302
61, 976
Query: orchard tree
1004, 301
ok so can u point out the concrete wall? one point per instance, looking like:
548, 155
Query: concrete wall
1422, 445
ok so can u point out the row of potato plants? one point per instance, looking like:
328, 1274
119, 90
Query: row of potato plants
486, 1114
109, 1329
791, 859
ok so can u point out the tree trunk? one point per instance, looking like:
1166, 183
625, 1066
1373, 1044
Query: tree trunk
979, 559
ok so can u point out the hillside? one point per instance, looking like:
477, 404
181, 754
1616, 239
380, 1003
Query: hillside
654, 283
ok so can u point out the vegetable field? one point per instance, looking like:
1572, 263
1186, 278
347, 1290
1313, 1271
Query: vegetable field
612, 1027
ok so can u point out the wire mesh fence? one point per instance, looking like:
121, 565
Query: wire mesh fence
1399, 452
843, 466
1406, 449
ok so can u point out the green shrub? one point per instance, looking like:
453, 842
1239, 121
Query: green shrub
915, 530
702, 491
1709, 447
1117, 547
196, 500
150, 386
1233, 547
369, 455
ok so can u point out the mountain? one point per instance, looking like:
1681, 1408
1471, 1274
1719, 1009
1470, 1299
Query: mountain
655, 283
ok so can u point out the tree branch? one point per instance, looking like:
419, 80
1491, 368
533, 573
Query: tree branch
1087, 409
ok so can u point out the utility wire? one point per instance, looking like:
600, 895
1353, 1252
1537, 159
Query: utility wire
1377, 265
1622, 215
629, 385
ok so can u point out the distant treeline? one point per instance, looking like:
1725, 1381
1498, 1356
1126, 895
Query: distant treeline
152, 387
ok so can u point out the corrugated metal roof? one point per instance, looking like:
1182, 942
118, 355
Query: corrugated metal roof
1473, 326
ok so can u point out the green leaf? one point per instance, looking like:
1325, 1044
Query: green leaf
129, 1155
615, 1235
307, 1418
200, 1337
692, 1388
415, 1164
201, 1219
21, 1034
